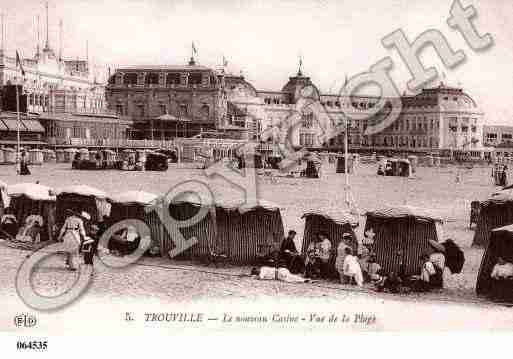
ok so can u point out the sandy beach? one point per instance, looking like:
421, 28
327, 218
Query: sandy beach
174, 281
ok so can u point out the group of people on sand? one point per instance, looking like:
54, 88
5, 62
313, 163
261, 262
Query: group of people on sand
353, 268
79, 234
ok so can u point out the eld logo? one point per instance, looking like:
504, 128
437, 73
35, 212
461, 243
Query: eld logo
25, 320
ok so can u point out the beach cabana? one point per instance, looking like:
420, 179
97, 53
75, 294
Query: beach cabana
156, 162
402, 229
69, 154
404, 168
35, 156
341, 159
131, 205
49, 155
109, 159
34, 199
335, 224
181, 210
500, 245
80, 198
246, 231
60, 156
4, 198
313, 166
496, 211
9, 155
84, 154
413, 160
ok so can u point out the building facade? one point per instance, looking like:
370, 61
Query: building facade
64, 96
165, 100
498, 135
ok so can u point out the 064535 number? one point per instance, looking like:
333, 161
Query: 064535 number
32, 345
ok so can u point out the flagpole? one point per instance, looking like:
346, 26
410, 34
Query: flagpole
17, 128
345, 163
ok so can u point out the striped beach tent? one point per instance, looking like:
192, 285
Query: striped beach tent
404, 230
496, 211
80, 198
34, 199
4, 198
341, 160
244, 230
500, 244
335, 224
192, 219
130, 205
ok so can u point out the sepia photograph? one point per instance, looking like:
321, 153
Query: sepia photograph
228, 166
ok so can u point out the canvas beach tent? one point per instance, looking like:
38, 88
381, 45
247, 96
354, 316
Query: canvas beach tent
4, 198
191, 220
500, 244
80, 198
335, 224
244, 230
34, 199
496, 211
402, 229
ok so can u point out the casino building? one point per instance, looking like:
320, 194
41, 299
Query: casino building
62, 100
176, 101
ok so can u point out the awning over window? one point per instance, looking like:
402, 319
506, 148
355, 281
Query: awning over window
26, 125
11, 124
33, 126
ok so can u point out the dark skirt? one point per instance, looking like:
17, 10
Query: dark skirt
24, 169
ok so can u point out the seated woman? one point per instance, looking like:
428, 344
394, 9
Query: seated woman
9, 223
31, 231
290, 255
428, 278
318, 256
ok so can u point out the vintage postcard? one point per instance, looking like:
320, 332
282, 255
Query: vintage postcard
233, 166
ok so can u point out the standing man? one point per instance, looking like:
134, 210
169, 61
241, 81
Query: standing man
24, 170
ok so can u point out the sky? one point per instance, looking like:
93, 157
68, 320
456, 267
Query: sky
264, 39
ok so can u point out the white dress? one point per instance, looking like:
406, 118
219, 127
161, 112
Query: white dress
72, 232
352, 269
